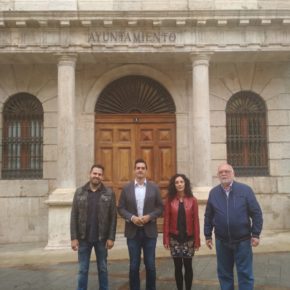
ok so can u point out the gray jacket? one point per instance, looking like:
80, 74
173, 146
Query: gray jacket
153, 207
107, 214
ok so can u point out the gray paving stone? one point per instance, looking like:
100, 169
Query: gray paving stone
272, 272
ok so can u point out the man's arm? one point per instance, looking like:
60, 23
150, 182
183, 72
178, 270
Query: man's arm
74, 218
157, 208
75, 245
208, 227
123, 206
256, 215
109, 244
113, 221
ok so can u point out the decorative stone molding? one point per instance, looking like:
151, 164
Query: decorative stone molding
68, 35
67, 59
200, 58
231, 18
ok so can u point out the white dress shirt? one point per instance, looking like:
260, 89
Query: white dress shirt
140, 191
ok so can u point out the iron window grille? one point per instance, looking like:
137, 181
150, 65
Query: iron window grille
247, 144
22, 153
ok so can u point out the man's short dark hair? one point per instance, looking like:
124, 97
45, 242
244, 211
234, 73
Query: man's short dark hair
97, 166
140, 160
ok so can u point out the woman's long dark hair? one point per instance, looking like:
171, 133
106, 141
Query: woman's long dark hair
172, 188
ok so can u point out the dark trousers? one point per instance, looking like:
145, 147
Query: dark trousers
135, 246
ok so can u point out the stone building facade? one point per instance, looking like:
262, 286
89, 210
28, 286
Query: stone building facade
63, 55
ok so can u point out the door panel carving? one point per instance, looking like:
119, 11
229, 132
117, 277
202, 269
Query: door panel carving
120, 139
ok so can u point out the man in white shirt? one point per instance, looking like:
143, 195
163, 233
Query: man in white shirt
140, 204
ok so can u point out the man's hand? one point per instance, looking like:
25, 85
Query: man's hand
109, 244
209, 243
75, 245
255, 242
166, 246
137, 221
145, 219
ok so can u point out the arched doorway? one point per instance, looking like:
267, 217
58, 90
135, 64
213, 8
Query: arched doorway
135, 117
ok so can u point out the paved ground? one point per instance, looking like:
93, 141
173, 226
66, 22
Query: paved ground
272, 272
29, 267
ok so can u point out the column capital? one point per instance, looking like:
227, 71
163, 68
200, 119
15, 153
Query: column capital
67, 59
200, 58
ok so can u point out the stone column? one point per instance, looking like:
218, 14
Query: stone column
201, 141
60, 199
66, 122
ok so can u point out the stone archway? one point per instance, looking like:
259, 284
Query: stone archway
135, 117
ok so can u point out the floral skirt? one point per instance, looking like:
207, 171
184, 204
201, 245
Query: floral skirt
181, 250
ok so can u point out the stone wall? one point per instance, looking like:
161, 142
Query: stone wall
129, 5
270, 81
23, 213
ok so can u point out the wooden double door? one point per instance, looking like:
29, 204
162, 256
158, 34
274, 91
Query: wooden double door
120, 139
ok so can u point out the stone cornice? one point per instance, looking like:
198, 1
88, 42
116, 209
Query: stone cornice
144, 18
179, 32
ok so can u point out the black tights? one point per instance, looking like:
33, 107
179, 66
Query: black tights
188, 272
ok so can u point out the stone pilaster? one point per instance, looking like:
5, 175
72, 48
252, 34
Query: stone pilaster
201, 141
60, 200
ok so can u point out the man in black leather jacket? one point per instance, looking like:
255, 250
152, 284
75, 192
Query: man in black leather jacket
93, 225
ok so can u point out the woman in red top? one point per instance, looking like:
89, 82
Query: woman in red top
181, 228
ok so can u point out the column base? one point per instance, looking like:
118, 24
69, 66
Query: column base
201, 193
59, 202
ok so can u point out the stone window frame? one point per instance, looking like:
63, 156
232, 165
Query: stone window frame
22, 143
247, 140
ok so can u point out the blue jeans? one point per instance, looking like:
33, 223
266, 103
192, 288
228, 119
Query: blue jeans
239, 254
84, 254
135, 245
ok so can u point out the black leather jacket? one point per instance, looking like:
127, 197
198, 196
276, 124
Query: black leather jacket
107, 214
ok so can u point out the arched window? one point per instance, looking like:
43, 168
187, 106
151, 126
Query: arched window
134, 94
247, 134
22, 137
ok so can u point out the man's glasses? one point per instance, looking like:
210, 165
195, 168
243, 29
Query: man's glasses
224, 171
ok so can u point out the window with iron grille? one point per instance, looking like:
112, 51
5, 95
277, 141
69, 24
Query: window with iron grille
22, 142
247, 144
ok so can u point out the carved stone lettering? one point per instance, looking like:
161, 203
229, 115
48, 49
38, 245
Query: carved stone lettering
131, 37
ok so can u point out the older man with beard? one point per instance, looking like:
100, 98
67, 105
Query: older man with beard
236, 217
93, 225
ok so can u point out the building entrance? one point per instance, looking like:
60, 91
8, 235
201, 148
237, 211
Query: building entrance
123, 138
135, 118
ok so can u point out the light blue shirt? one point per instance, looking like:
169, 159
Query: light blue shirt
140, 191
228, 190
